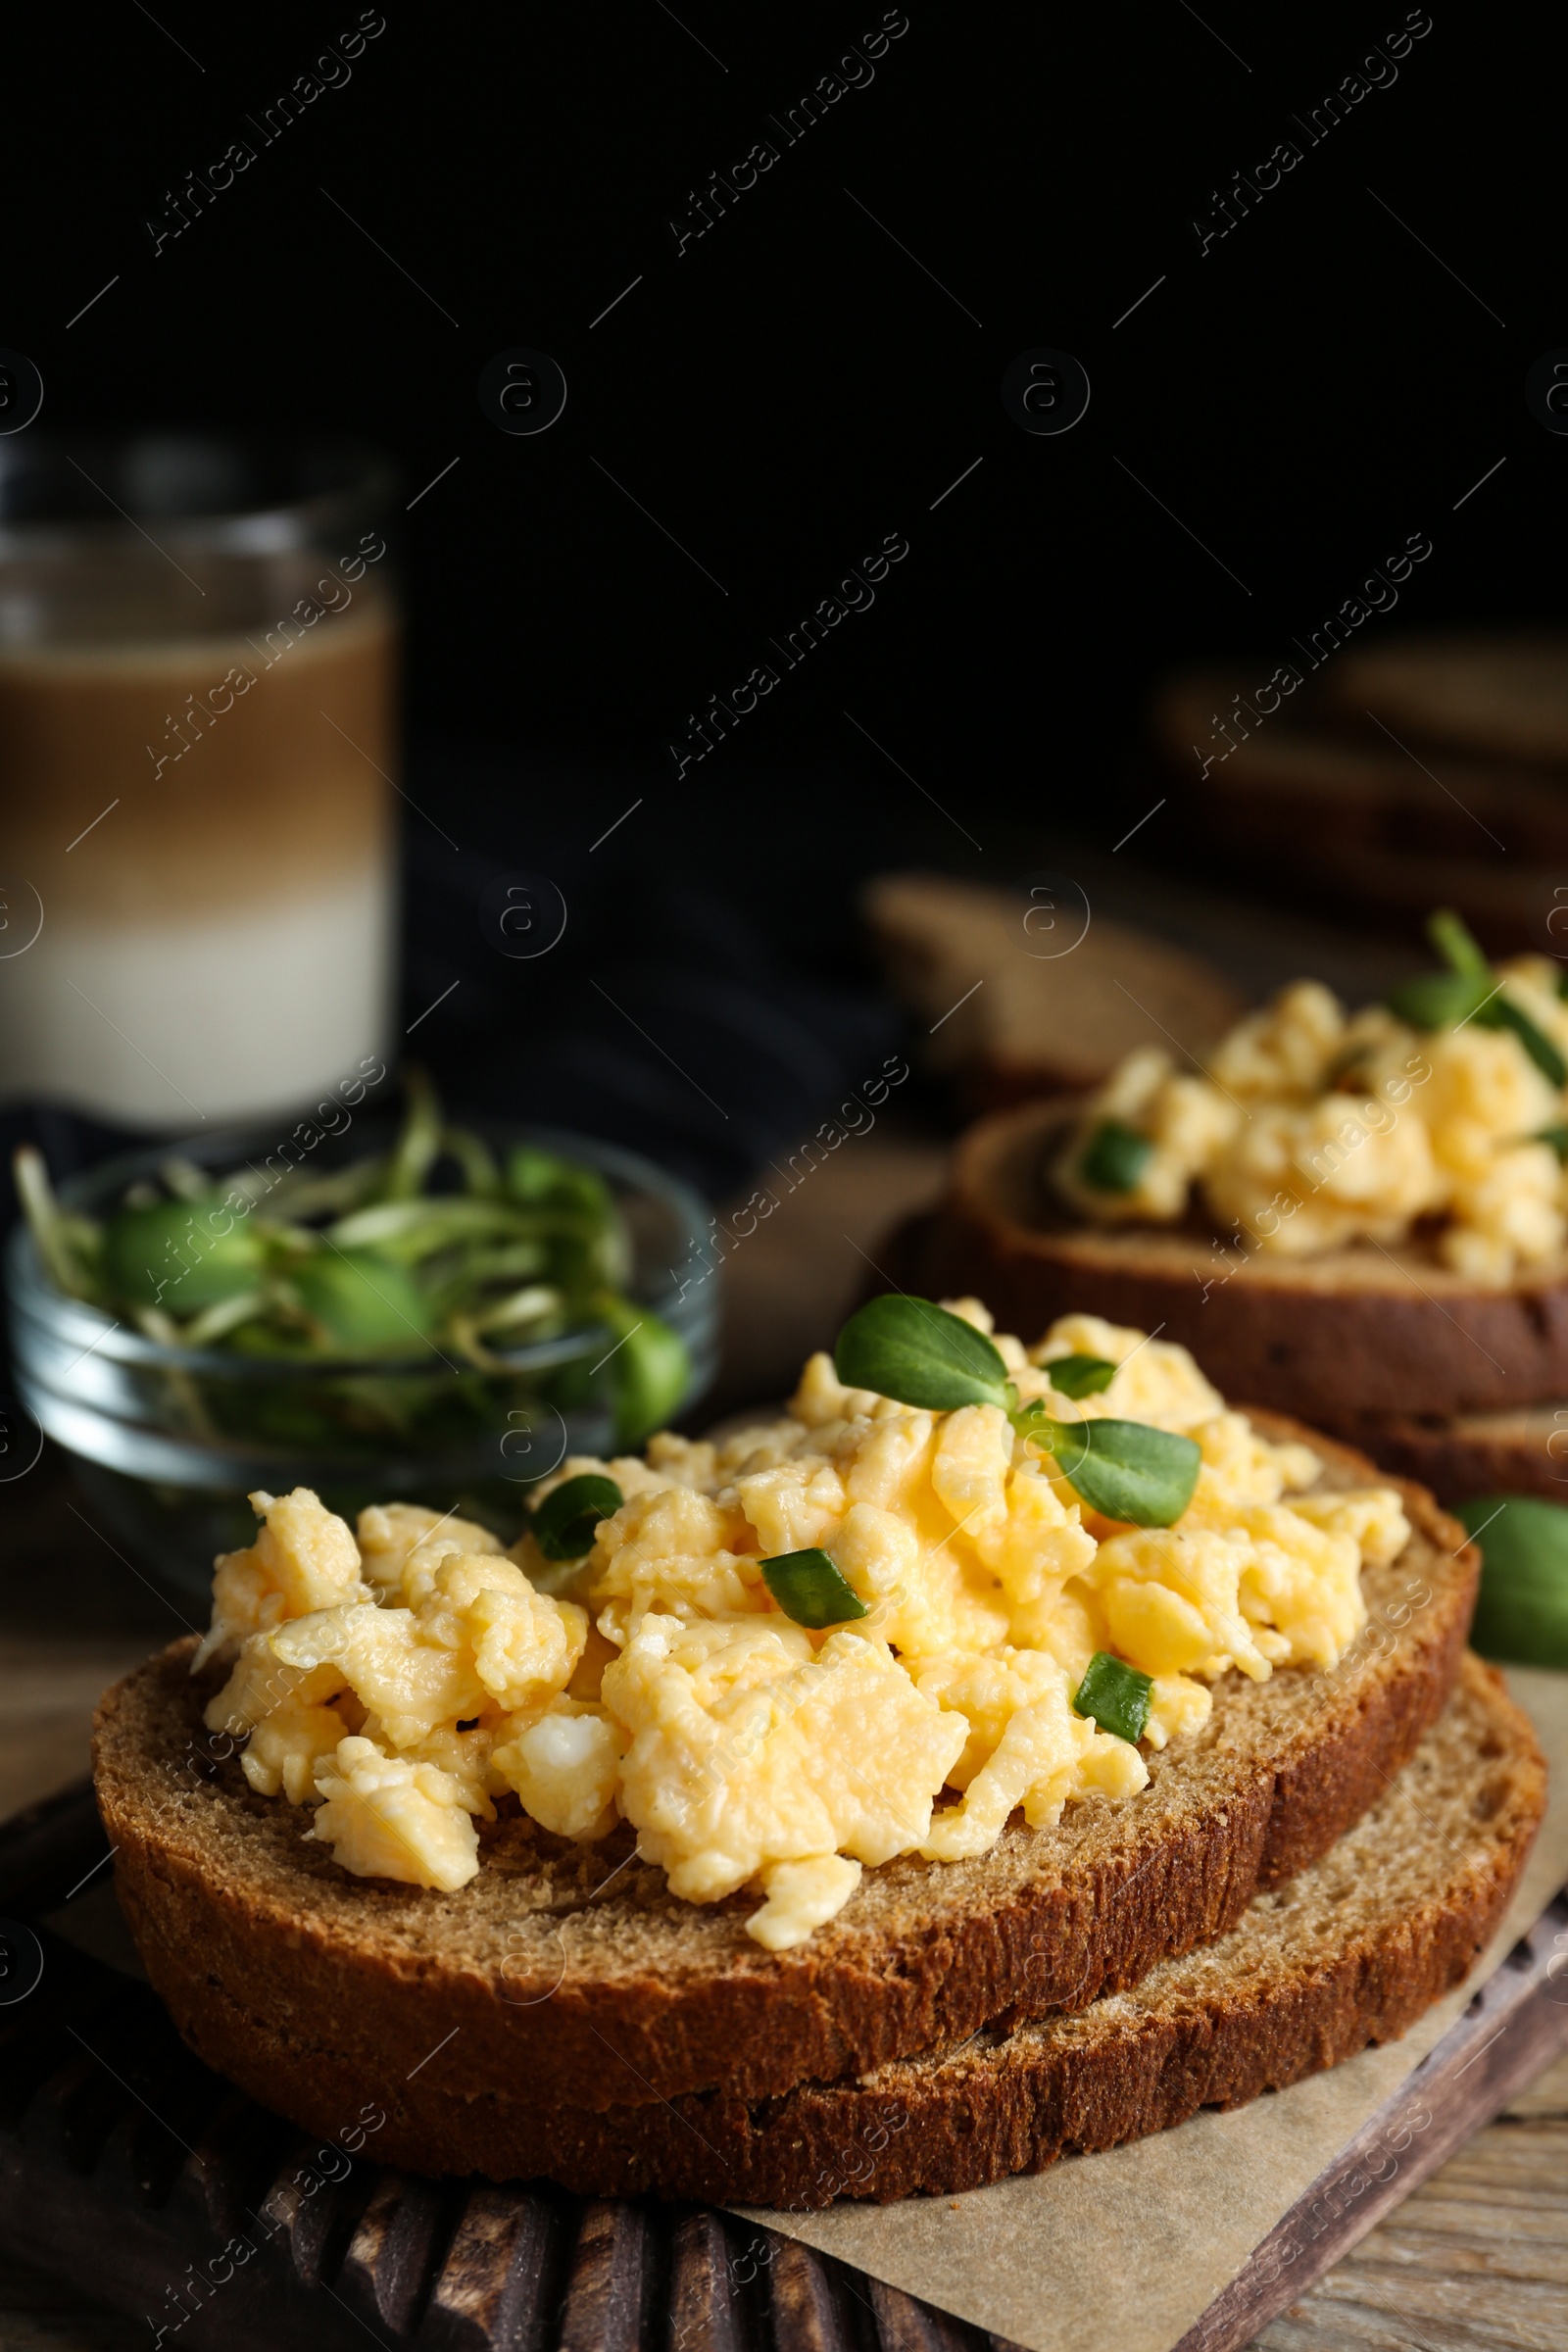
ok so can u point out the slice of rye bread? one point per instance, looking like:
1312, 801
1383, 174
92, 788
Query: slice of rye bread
1346, 787
1522, 1452
1351, 1952
575, 1972
1502, 695
1365, 819
1017, 1020
1326, 1338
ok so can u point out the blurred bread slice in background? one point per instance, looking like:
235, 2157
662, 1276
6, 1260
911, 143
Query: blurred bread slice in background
1407, 775
1524, 1451
1504, 697
1007, 1023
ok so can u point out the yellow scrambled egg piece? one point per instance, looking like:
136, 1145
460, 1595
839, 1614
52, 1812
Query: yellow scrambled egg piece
391, 1533
752, 1746
564, 1766
303, 1558
407, 1683
387, 1818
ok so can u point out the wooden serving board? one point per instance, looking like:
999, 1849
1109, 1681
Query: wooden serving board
132, 2168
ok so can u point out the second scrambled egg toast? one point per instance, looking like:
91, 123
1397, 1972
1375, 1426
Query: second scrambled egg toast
1309, 1128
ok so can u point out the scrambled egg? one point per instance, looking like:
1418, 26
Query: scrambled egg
1308, 1129
404, 1682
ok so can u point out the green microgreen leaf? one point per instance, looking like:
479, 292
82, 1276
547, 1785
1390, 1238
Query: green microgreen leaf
916, 1351
1078, 1376
45, 1218
419, 1141
183, 1255
810, 1589
1440, 999
1522, 1612
650, 1368
1126, 1470
1116, 1694
1114, 1157
564, 1524
913, 1351
415, 1228
1500, 1014
1455, 943
1470, 991
474, 1155
365, 1304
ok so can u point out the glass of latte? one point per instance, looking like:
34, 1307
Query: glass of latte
198, 646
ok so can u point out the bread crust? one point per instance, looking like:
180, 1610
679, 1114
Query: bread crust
576, 1968
1272, 2002
1044, 1021
1468, 1455
1326, 1338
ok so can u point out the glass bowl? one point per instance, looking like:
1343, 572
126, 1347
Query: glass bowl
168, 1441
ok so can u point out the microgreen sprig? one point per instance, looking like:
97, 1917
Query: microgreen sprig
921, 1354
1469, 990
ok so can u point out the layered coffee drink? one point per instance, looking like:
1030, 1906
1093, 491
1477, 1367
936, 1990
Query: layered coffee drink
196, 843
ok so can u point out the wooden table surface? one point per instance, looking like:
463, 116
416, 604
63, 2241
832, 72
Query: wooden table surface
1477, 2257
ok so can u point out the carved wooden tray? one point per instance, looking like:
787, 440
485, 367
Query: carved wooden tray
132, 2169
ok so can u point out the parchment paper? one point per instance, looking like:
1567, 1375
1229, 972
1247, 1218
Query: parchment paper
1131, 2246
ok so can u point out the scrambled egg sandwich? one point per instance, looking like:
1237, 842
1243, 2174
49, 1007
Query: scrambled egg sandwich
1441, 1110
874, 1628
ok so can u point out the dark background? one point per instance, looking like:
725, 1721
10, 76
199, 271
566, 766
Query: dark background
792, 387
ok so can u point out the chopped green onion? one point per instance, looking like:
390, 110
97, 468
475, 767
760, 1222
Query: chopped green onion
1556, 1137
1116, 1695
810, 1589
1114, 1157
1080, 1375
564, 1524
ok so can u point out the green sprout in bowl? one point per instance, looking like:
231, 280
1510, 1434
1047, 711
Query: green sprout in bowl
437, 1253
